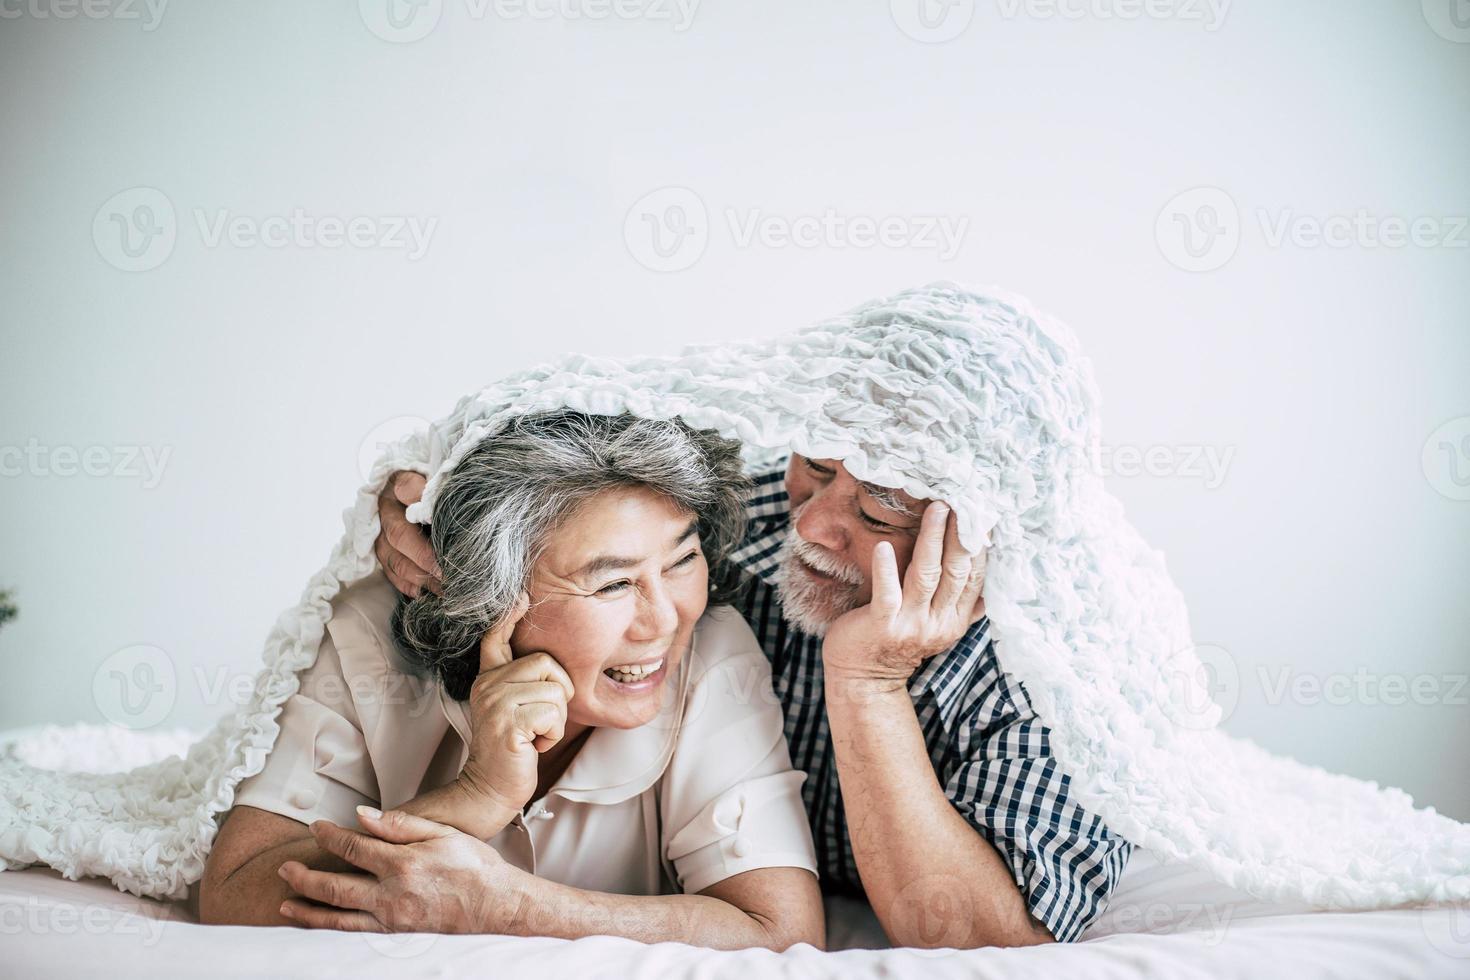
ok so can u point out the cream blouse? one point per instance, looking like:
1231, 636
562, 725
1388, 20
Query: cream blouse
703, 792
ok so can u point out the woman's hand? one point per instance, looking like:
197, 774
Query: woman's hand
421, 877
885, 641
517, 710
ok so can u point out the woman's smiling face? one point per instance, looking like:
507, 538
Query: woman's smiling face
620, 585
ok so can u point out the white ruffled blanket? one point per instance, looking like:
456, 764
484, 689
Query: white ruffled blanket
967, 395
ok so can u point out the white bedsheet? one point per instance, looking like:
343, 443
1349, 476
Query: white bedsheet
1167, 921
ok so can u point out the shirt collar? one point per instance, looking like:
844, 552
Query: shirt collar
613, 764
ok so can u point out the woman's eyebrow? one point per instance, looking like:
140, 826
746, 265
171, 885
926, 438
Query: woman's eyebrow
608, 563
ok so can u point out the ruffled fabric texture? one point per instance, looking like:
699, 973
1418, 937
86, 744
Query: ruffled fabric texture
968, 395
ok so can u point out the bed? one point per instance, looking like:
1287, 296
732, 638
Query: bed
1165, 920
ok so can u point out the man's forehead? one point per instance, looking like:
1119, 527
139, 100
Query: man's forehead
888, 498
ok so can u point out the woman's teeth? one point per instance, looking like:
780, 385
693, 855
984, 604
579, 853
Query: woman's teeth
632, 673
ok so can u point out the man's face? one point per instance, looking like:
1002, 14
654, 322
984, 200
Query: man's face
826, 561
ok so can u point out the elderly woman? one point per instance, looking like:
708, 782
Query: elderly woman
573, 739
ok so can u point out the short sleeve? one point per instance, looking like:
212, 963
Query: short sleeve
730, 800
319, 768
1064, 859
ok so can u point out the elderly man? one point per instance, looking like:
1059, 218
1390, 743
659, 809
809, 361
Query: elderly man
931, 788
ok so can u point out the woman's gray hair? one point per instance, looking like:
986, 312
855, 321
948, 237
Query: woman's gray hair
498, 506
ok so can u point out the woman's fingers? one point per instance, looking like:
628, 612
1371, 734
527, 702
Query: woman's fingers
357, 849
398, 827
495, 645
536, 667
316, 917
924, 571
345, 891
542, 723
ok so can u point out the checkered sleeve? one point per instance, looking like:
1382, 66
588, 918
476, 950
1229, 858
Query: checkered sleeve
1005, 782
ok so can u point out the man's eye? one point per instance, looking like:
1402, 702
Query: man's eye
686, 559
819, 470
876, 524
612, 588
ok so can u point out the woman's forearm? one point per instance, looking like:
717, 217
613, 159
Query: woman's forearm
252, 894
545, 908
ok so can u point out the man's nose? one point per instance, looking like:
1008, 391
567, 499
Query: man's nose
820, 523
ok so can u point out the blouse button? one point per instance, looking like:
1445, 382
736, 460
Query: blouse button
302, 800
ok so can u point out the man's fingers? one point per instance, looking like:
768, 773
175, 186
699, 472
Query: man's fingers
405, 576
495, 644
924, 571
955, 565
407, 486
345, 891
355, 848
972, 599
888, 594
411, 541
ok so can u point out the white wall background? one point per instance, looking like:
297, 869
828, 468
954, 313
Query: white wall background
1333, 548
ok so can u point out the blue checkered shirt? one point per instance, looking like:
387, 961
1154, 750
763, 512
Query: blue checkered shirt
989, 749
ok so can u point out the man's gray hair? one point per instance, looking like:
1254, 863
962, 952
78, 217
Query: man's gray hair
497, 508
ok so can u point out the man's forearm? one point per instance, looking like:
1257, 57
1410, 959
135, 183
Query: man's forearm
932, 879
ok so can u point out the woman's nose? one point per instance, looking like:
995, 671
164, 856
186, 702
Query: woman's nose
658, 617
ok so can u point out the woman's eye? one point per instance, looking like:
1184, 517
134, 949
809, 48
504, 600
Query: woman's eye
687, 559
612, 588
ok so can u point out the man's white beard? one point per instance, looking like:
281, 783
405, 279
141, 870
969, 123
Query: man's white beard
811, 605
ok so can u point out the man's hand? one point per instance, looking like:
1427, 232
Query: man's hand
940, 598
402, 547
421, 876
517, 710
